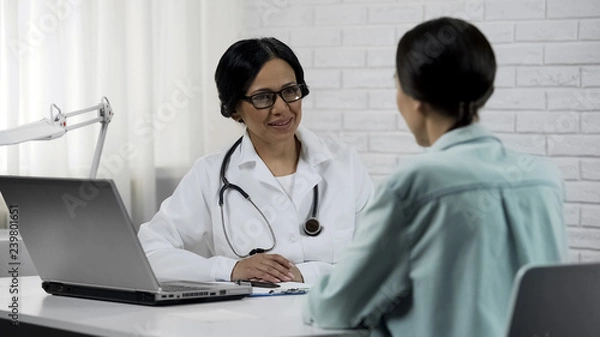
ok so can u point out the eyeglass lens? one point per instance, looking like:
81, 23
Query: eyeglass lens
267, 99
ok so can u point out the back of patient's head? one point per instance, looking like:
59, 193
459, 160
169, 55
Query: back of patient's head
242, 61
449, 64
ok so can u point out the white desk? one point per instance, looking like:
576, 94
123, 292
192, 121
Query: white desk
256, 316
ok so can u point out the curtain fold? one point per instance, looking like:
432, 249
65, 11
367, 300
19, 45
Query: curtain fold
149, 58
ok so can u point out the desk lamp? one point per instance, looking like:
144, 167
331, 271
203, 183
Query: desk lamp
56, 127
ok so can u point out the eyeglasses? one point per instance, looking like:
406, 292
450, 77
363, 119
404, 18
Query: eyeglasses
265, 100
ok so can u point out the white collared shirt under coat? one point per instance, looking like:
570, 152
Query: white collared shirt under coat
185, 239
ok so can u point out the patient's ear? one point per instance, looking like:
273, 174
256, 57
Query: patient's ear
423, 108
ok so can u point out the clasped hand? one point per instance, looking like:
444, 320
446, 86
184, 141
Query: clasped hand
266, 267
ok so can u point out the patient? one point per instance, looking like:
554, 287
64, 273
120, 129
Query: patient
438, 247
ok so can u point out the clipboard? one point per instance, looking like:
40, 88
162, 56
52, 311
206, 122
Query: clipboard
273, 292
285, 288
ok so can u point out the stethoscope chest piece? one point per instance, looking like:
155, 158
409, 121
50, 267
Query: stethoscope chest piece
312, 227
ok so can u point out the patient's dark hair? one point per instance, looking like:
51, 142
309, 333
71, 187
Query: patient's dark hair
242, 61
449, 64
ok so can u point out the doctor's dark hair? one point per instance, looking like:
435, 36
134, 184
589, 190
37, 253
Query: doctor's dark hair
242, 61
449, 64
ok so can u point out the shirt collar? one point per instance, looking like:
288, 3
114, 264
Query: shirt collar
461, 135
314, 150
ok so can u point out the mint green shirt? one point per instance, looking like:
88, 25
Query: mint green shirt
438, 247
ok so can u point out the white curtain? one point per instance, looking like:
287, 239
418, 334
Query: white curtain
153, 60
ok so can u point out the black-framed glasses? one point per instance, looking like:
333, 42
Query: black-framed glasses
267, 99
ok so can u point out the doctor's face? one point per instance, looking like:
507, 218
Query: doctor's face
278, 123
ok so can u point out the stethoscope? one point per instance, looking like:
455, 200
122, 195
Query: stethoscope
311, 227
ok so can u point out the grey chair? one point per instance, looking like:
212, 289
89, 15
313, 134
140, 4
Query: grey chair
556, 300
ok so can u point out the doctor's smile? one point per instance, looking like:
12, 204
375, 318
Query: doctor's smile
281, 124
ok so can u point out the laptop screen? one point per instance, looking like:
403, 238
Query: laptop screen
78, 231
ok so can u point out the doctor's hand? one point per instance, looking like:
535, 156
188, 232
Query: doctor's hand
297, 275
268, 267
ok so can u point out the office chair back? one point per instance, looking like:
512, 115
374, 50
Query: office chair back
556, 301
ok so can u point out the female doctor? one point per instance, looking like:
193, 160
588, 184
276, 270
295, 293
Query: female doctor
280, 204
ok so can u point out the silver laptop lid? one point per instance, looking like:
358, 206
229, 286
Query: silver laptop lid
78, 231
556, 300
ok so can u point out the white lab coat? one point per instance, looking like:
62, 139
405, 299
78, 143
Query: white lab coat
185, 239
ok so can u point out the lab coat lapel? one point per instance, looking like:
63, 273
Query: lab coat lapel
314, 153
264, 175
260, 171
306, 179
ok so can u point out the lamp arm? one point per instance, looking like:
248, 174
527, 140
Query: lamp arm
56, 127
82, 111
98, 152
86, 123
104, 117
105, 114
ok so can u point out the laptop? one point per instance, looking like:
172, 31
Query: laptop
83, 244
556, 300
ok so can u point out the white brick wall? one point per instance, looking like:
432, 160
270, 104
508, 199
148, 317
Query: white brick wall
536, 31
514, 10
548, 76
497, 32
589, 256
589, 29
572, 212
519, 54
546, 102
548, 122
517, 99
394, 14
369, 36
340, 15
370, 120
317, 37
339, 57
569, 167
583, 191
505, 77
590, 122
368, 78
499, 121
590, 76
572, 53
590, 169
573, 9
589, 214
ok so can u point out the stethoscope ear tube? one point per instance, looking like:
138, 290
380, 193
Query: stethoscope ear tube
312, 227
